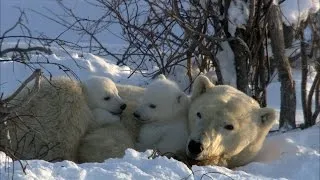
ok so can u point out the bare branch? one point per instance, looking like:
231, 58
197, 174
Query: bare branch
35, 75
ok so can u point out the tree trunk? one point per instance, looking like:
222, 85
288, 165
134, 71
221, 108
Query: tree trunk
288, 94
311, 120
240, 60
304, 75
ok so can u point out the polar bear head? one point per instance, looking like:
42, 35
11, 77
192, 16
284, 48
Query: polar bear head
162, 101
227, 127
102, 93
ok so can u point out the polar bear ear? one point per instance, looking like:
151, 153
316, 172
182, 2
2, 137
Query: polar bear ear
182, 98
161, 76
200, 86
267, 117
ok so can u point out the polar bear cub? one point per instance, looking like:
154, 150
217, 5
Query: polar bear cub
111, 140
163, 113
103, 99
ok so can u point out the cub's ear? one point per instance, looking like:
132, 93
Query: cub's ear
267, 116
183, 99
161, 76
200, 86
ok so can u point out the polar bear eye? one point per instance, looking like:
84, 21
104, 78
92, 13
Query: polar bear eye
152, 106
229, 127
107, 98
199, 115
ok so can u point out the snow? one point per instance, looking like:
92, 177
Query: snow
238, 15
295, 11
226, 63
291, 155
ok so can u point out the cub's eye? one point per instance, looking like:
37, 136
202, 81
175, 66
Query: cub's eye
152, 106
107, 98
229, 127
199, 115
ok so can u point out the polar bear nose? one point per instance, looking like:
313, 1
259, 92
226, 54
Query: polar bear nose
194, 147
136, 115
123, 106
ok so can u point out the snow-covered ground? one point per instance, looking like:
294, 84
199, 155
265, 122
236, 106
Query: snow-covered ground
292, 155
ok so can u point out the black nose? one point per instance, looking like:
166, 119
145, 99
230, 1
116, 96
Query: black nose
136, 115
194, 147
123, 106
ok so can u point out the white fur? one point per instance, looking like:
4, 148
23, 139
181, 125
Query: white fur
57, 117
163, 112
227, 127
61, 113
104, 110
108, 141
102, 116
132, 96
111, 140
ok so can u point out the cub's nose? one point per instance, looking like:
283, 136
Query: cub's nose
194, 147
123, 106
136, 115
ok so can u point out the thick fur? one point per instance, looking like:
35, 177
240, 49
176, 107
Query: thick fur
103, 99
227, 127
108, 141
51, 124
131, 96
163, 114
111, 140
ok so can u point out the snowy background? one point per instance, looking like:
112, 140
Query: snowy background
291, 155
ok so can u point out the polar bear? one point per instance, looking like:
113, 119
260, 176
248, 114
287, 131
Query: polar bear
111, 140
227, 127
107, 141
50, 126
163, 114
132, 96
103, 99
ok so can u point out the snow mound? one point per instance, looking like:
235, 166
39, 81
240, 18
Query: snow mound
81, 67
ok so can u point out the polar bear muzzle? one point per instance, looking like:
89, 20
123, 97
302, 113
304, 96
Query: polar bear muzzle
194, 149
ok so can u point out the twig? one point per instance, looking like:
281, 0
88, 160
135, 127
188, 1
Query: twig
35, 75
26, 50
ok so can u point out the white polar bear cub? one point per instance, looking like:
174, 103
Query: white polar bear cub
111, 140
103, 99
163, 114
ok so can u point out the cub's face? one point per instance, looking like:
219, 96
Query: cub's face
219, 126
102, 93
162, 101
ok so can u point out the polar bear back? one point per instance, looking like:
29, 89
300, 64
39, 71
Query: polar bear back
51, 124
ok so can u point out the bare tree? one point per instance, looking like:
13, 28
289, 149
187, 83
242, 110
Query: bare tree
288, 94
33, 52
189, 34
307, 97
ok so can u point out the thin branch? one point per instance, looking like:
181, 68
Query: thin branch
35, 75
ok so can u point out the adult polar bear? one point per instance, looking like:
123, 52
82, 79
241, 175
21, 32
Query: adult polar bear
227, 127
50, 126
